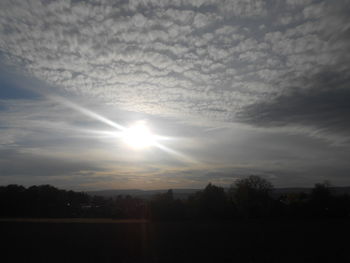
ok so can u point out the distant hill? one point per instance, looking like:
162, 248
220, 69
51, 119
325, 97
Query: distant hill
184, 193
339, 190
145, 194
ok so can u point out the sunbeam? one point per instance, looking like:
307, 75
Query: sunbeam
86, 112
137, 136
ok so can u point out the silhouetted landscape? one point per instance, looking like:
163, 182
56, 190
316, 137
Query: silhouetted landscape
252, 197
243, 223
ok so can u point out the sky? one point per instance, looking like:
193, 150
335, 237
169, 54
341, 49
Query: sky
228, 88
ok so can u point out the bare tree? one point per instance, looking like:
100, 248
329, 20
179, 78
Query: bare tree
251, 196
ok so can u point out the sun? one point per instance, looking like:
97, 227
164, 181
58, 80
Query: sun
139, 136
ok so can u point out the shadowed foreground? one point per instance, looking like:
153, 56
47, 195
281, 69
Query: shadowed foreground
75, 220
237, 241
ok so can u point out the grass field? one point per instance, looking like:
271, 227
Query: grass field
112, 241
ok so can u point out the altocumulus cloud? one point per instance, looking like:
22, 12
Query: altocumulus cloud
206, 58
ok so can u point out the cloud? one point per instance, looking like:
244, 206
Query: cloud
298, 2
135, 55
321, 102
191, 64
15, 163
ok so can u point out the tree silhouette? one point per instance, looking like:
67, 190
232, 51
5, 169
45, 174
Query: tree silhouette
210, 203
321, 199
251, 196
248, 197
321, 192
165, 207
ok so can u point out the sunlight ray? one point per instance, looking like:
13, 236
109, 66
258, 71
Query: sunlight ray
127, 134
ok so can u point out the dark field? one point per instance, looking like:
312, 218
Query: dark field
240, 241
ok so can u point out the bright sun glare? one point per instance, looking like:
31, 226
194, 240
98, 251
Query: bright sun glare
139, 136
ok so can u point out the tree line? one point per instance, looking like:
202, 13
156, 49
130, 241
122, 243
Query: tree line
246, 198
51, 202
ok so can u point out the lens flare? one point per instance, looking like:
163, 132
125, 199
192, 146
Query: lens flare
137, 136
